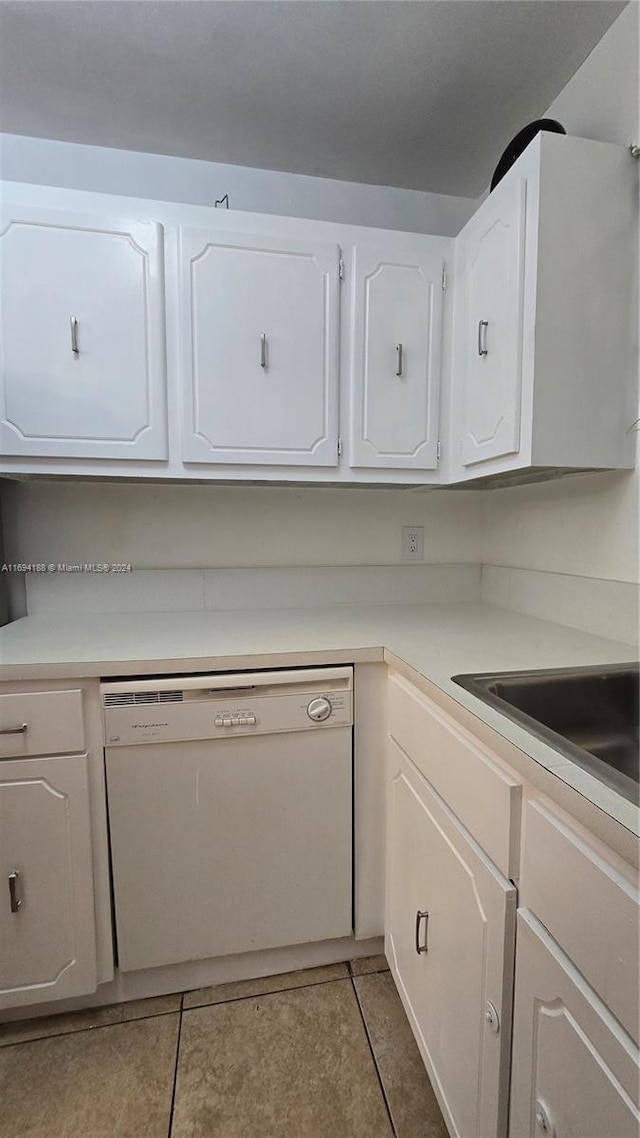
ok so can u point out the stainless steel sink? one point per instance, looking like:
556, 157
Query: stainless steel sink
588, 714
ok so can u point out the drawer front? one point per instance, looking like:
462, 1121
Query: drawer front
585, 896
484, 797
41, 723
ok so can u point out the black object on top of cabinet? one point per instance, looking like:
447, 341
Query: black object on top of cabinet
520, 143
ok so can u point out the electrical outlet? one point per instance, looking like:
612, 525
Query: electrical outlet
412, 543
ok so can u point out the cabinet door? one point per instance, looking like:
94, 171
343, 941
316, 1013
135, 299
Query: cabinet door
574, 1070
259, 349
82, 343
453, 963
493, 267
47, 930
397, 329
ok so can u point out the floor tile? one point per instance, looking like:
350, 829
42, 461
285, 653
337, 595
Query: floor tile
292, 1064
413, 1105
114, 1082
240, 989
22, 1030
368, 964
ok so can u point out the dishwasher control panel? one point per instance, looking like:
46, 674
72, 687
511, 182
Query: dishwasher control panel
211, 707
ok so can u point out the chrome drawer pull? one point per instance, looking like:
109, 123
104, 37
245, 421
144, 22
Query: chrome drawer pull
16, 902
263, 350
399, 353
482, 337
73, 320
13, 730
422, 915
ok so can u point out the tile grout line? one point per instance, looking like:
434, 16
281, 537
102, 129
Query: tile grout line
156, 1015
373, 1056
175, 1070
269, 992
82, 1030
190, 1008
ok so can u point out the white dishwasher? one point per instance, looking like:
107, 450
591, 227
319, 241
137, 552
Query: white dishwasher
230, 812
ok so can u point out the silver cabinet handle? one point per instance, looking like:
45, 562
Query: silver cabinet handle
13, 730
399, 355
263, 350
73, 320
482, 337
15, 901
422, 915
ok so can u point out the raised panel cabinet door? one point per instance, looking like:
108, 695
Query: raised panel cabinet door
82, 344
449, 941
574, 1070
259, 349
397, 316
494, 281
47, 923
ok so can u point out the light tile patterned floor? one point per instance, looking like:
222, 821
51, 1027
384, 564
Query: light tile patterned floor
324, 1053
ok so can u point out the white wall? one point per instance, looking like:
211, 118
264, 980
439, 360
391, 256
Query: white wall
586, 525
195, 526
130, 173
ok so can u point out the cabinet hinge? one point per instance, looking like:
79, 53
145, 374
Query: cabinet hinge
444, 278
341, 272
339, 447
438, 450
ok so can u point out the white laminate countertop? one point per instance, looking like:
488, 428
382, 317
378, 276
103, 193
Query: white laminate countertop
434, 641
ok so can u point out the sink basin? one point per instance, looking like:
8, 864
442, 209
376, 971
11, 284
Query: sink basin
590, 715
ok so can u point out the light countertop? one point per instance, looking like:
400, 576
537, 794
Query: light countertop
433, 641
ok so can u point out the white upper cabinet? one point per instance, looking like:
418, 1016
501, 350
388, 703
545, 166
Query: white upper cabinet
544, 373
395, 372
82, 336
525, 366
491, 329
259, 325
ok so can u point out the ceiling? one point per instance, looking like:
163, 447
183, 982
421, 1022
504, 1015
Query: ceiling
422, 94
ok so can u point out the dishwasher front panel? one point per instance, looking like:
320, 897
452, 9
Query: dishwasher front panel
230, 845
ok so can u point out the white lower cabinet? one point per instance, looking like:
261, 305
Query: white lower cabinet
47, 924
449, 941
574, 1069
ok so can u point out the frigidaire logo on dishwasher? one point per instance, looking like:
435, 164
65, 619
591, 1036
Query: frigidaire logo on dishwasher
145, 725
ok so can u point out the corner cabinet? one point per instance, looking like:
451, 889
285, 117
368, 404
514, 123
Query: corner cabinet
396, 348
449, 942
466, 843
544, 366
259, 327
492, 329
82, 354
